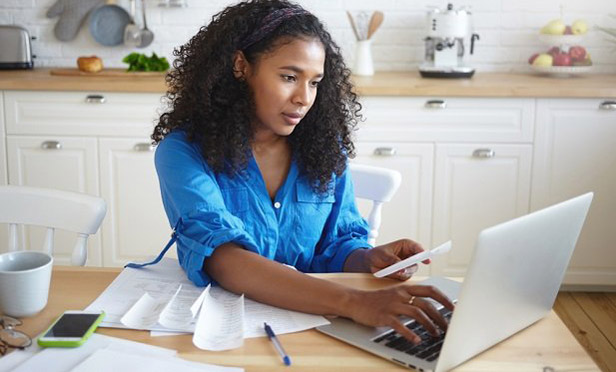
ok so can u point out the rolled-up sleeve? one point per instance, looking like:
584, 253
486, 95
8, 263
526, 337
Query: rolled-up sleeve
195, 206
344, 232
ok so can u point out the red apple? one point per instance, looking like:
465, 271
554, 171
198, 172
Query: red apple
568, 30
577, 53
532, 58
562, 59
554, 51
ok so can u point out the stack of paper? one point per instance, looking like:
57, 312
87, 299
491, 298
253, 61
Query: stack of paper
161, 298
103, 353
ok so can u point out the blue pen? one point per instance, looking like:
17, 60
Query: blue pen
277, 345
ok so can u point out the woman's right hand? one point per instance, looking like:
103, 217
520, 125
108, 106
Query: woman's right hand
384, 307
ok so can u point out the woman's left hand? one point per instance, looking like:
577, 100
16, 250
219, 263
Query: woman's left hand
388, 254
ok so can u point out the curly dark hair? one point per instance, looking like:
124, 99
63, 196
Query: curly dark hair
215, 109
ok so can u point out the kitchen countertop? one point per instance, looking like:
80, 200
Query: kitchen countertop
41, 79
381, 84
488, 85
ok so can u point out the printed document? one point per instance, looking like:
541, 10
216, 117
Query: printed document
161, 298
102, 353
104, 360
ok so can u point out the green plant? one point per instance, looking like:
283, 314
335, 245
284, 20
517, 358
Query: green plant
611, 31
141, 62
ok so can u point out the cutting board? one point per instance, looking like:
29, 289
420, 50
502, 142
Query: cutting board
106, 72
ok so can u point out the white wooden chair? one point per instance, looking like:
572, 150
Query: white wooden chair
376, 184
54, 209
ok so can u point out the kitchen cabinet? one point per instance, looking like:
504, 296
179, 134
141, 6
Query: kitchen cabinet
476, 186
64, 163
80, 113
575, 153
465, 166
409, 213
4, 231
447, 119
3, 171
135, 226
91, 142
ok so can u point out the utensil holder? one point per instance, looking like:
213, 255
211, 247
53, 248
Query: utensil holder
363, 58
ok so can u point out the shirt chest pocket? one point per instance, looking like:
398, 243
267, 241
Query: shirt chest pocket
236, 199
313, 211
305, 194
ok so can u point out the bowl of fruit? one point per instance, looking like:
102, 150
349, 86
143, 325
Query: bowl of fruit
562, 61
565, 57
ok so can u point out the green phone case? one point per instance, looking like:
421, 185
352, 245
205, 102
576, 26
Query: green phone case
75, 343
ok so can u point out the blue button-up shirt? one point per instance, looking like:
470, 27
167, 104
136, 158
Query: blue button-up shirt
301, 228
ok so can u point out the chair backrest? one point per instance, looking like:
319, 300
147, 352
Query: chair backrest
376, 184
54, 209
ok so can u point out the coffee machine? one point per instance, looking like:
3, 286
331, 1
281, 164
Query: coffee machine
448, 30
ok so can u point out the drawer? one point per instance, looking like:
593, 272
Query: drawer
401, 119
81, 113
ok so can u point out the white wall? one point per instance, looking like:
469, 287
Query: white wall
508, 30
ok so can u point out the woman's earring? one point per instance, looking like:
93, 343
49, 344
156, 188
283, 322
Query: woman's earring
239, 75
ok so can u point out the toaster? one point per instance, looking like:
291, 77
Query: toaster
15, 49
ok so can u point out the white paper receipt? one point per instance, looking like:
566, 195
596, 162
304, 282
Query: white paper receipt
415, 259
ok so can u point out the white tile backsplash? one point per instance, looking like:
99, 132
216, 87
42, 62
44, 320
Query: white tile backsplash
508, 30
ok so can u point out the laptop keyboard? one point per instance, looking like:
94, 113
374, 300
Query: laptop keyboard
429, 348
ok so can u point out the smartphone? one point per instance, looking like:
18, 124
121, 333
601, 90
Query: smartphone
71, 329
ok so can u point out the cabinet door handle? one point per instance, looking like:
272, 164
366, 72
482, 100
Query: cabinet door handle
51, 145
95, 98
435, 104
608, 105
144, 147
385, 151
484, 153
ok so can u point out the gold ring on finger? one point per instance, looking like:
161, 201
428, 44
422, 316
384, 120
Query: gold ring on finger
411, 300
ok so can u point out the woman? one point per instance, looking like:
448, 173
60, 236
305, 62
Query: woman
252, 165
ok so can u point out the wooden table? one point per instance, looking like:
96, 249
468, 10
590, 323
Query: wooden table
546, 343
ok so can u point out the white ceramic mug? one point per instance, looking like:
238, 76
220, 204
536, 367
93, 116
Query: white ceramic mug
24, 282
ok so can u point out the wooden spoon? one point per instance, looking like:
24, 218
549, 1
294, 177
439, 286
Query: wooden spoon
375, 22
353, 25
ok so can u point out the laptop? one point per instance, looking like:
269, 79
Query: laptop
511, 283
